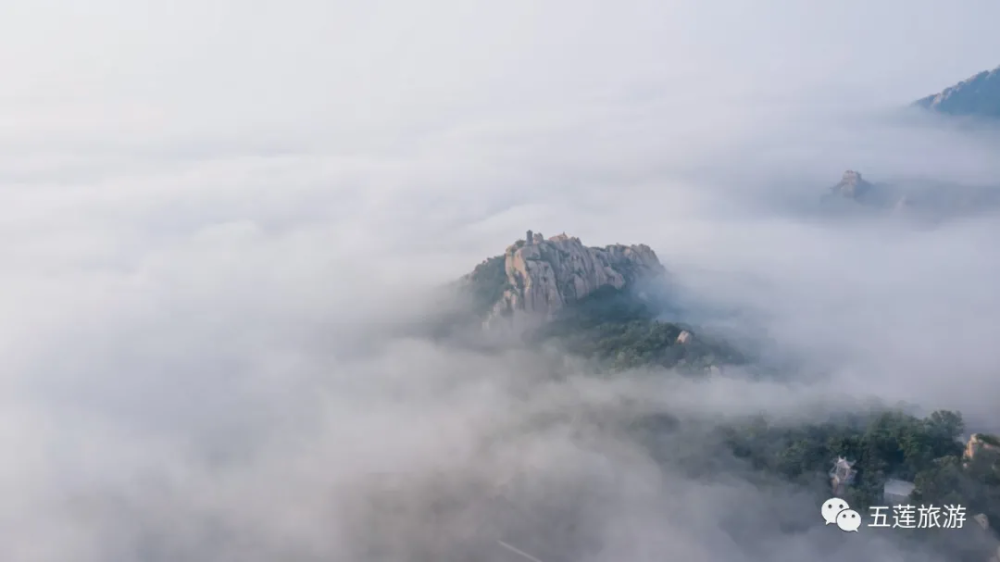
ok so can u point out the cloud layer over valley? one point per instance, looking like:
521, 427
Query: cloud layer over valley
217, 273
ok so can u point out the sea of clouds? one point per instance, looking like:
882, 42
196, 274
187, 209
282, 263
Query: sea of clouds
221, 227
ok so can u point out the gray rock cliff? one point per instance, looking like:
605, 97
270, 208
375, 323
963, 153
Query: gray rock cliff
542, 276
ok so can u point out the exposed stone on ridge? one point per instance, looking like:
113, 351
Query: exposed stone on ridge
541, 276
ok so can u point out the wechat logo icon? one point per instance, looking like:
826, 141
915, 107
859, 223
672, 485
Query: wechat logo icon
837, 512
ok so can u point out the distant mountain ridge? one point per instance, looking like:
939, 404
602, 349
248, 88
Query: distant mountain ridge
978, 96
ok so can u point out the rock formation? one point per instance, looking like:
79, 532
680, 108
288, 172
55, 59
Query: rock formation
541, 276
854, 193
921, 200
852, 186
979, 442
842, 476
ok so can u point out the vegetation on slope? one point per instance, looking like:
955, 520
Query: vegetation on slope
486, 284
620, 329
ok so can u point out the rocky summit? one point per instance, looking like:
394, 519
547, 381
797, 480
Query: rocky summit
854, 192
537, 277
852, 186
921, 200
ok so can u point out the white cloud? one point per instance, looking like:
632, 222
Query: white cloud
215, 220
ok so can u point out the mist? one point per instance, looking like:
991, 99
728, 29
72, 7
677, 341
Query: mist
223, 230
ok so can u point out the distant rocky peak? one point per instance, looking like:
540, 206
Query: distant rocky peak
851, 177
852, 185
540, 276
921, 200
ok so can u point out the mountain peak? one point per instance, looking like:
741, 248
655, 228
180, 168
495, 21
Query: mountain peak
537, 277
922, 200
977, 96
852, 185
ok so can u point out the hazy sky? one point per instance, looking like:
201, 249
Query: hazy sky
131, 67
212, 215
